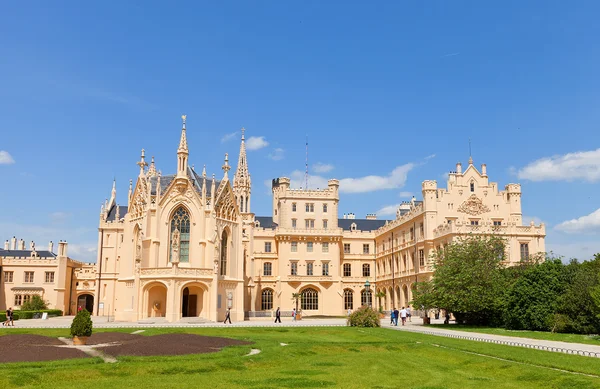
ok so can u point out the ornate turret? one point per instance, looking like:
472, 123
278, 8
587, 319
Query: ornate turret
241, 181
182, 151
142, 164
226, 167
152, 169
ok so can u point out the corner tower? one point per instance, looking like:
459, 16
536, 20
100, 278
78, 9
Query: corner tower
241, 180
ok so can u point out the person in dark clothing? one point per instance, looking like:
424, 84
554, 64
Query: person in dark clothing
277, 316
228, 316
396, 314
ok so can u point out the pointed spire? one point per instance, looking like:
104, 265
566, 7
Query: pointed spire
118, 213
142, 164
182, 151
226, 167
130, 192
242, 177
152, 168
158, 187
204, 171
204, 185
470, 155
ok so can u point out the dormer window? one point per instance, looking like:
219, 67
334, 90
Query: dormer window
472, 187
353, 227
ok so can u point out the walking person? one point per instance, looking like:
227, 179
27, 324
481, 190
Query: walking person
392, 316
294, 314
277, 316
11, 317
408, 313
6, 323
403, 315
396, 314
228, 316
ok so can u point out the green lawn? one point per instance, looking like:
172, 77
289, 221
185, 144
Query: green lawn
570, 338
335, 357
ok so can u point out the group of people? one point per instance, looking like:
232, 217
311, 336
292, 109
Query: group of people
404, 314
9, 318
277, 315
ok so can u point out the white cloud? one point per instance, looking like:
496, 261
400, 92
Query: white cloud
389, 210
396, 179
6, 158
584, 165
228, 137
86, 252
256, 143
588, 223
582, 250
276, 154
445, 176
429, 157
405, 194
59, 217
322, 167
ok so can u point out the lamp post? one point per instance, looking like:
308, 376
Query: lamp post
368, 290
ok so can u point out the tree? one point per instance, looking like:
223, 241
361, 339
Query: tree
380, 295
364, 316
297, 297
36, 303
533, 301
468, 280
424, 296
82, 324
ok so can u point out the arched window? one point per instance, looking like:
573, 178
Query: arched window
310, 300
179, 249
224, 253
267, 299
348, 299
366, 270
267, 269
365, 297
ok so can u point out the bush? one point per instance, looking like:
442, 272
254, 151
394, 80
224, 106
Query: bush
364, 317
82, 324
35, 304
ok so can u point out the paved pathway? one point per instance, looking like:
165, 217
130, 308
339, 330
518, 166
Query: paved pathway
587, 350
414, 326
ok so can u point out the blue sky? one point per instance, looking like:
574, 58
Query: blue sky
391, 91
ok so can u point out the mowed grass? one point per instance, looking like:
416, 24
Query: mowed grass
570, 338
317, 357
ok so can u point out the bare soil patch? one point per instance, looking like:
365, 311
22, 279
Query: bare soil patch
34, 348
171, 344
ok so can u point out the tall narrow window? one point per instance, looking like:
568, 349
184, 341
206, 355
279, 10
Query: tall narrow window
293, 207
347, 270
346, 248
324, 224
28, 276
224, 253
366, 270
294, 223
524, 251
348, 297
294, 268
267, 269
309, 268
421, 257
325, 247
180, 236
49, 277
294, 247
267, 247
324, 208
365, 297
309, 247
267, 299
365, 248
472, 187
325, 268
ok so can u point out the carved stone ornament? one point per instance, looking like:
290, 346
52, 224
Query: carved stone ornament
473, 206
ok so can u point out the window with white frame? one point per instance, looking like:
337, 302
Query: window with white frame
325, 247
366, 270
346, 248
347, 270
309, 247
267, 247
28, 276
8, 276
294, 268
294, 248
365, 248
49, 277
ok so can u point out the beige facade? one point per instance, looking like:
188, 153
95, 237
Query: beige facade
188, 246
56, 278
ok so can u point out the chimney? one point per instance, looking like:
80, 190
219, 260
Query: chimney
62, 248
459, 168
344, 216
13, 243
351, 215
6, 245
51, 247
483, 170
21, 244
32, 246
371, 216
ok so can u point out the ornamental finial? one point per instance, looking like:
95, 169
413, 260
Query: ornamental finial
183, 117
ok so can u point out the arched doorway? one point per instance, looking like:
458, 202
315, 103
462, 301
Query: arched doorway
192, 301
85, 301
157, 300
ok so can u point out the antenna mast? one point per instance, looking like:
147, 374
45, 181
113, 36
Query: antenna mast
306, 171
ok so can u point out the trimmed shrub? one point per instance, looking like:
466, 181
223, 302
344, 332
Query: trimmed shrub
82, 324
364, 317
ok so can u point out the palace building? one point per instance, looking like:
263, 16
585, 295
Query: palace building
188, 247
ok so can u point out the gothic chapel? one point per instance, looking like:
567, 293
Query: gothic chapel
177, 249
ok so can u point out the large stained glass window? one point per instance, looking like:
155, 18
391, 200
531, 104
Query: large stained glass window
180, 236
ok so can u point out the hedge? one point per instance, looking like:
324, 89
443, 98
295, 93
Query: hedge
29, 314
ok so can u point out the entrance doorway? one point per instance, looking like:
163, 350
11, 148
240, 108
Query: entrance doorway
189, 304
86, 301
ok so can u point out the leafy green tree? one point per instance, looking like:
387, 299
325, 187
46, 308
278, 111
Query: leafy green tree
533, 300
36, 303
364, 316
424, 296
82, 324
468, 279
579, 301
